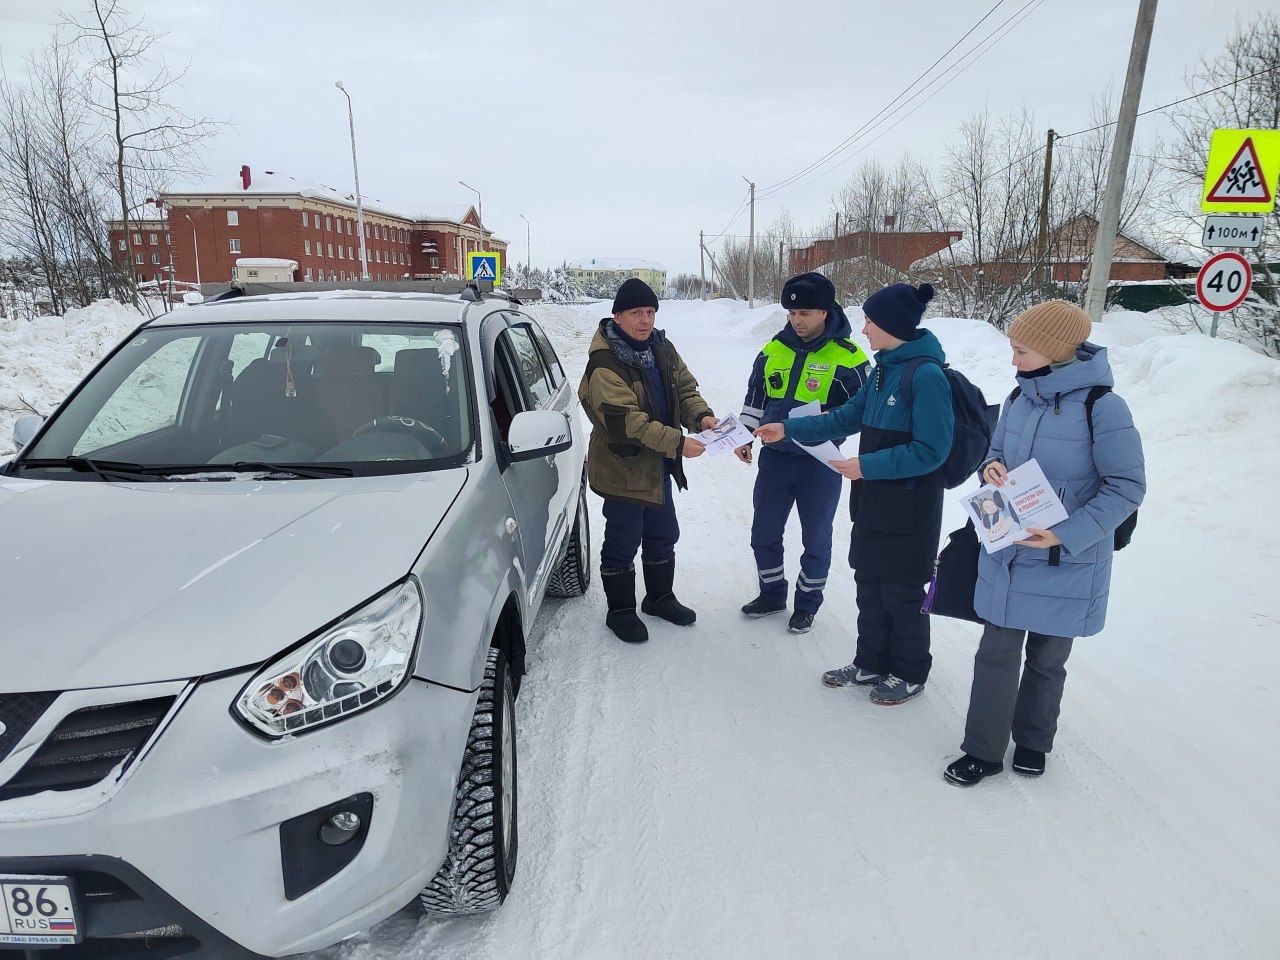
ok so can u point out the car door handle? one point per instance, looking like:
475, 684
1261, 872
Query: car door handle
512, 526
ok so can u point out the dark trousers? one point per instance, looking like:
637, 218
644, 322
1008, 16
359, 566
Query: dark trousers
630, 527
1000, 702
893, 635
784, 479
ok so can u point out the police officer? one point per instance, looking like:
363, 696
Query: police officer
810, 359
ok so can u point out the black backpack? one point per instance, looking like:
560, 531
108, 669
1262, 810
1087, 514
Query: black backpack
1124, 532
975, 421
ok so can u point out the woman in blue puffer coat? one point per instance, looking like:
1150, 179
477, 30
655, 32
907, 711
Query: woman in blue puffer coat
1053, 586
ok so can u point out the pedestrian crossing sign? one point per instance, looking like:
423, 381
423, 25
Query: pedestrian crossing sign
485, 265
1242, 172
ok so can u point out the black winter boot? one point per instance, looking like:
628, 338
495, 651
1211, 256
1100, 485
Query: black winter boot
1028, 762
620, 589
659, 601
968, 770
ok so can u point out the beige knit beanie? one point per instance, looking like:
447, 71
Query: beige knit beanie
1054, 328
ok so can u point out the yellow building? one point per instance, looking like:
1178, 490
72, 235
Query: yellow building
618, 269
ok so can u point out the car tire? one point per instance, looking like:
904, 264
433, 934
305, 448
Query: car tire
484, 837
572, 575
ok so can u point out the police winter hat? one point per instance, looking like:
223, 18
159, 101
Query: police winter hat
809, 291
897, 309
634, 293
1054, 328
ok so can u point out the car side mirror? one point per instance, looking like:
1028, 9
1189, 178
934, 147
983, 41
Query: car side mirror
538, 433
24, 428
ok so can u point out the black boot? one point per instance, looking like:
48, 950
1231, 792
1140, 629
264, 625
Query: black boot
620, 589
1028, 762
969, 770
659, 601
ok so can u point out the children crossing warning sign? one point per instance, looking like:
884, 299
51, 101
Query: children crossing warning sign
1242, 171
484, 265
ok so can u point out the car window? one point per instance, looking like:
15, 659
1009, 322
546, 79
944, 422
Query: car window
147, 400
247, 347
532, 371
296, 392
548, 352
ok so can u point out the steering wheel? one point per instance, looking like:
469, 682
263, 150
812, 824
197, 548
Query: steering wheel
425, 434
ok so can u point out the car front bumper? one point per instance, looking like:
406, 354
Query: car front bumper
194, 829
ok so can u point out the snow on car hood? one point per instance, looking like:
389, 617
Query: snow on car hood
119, 583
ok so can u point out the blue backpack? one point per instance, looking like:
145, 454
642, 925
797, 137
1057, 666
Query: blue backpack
975, 422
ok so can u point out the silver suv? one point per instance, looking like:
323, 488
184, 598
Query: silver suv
268, 581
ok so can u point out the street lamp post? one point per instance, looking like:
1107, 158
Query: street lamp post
355, 169
195, 239
479, 201
528, 248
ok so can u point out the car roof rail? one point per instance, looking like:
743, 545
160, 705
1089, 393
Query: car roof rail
471, 291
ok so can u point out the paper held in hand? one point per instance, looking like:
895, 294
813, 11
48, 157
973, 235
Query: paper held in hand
725, 437
1003, 514
826, 451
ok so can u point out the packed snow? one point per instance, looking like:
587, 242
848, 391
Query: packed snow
704, 796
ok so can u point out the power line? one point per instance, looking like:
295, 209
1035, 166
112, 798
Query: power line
901, 94
1111, 123
732, 220
898, 103
1175, 103
945, 79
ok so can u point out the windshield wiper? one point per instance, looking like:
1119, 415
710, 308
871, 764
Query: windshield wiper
84, 465
311, 471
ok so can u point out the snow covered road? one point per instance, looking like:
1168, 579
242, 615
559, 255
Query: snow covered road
703, 796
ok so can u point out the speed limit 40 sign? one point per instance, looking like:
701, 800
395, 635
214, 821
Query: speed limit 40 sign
1224, 282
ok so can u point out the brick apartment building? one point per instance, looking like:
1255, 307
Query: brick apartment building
275, 215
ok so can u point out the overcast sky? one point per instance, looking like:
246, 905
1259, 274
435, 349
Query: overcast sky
622, 129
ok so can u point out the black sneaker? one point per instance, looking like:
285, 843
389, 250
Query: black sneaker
968, 770
763, 606
801, 622
1028, 762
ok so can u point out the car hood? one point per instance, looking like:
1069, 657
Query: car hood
103, 584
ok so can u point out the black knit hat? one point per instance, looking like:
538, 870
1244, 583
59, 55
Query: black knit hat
809, 291
634, 293
897, 309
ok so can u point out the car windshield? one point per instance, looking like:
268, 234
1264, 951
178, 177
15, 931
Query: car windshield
347, 399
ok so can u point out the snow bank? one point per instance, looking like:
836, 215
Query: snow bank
42, 360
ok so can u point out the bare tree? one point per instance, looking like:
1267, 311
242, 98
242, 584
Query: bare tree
131, 91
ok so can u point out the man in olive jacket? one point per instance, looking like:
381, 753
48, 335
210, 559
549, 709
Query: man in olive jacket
638, 393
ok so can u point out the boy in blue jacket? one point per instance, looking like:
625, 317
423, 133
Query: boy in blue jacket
811, 360
904, 437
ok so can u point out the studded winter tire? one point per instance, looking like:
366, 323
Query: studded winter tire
573, 574
484, 839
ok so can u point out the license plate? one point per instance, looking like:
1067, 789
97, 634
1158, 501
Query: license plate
38, 911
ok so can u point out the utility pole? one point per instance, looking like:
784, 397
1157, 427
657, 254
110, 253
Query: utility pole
751, 250
835, 254
702, 266
1109, 222
782, 269
1042, 240
528, 249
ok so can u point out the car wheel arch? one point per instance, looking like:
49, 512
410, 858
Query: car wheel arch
509, 637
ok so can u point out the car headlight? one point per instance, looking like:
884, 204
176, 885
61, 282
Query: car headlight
347, 667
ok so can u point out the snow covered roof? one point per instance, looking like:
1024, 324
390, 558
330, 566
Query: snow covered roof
447, 212
265, 262
615, 264
273, 183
